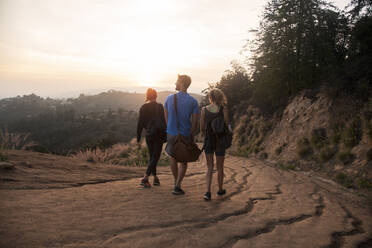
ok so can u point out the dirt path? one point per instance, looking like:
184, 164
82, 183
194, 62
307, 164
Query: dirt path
263, 207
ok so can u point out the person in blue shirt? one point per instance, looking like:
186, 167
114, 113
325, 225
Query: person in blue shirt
188, 116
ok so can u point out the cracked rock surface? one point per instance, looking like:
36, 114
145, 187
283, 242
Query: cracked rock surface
263, 207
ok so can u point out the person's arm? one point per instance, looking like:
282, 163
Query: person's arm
166, 111
140, 124
194, 124
226, 118
195, 118
202, 121
166, 116
162, 114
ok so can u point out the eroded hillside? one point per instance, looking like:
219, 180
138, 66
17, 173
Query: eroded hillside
314, 132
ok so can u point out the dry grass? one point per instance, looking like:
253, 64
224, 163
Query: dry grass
130, 154
18, 141
103, 155
3, 155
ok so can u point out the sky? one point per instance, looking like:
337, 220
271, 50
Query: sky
60, 48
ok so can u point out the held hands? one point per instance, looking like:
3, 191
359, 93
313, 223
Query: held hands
230, 129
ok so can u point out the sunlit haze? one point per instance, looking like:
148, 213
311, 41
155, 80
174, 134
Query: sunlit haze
61, 48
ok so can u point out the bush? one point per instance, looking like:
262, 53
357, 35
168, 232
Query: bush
336, 138
286, 166
326, 154
337, 133
344, 180
304, 148
164, 160
319, 138
353, 133
263, 155
257, 149
369, 130
346, 157
278, 150
369, 155
3, 156
243, 152
19, 141
364, 183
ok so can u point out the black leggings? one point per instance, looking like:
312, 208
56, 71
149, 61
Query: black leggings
155, 147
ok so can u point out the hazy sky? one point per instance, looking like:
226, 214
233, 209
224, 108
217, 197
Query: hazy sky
55, 47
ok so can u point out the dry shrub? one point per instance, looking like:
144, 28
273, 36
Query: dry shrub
3, 156
18, 141
304, 148
353, 133
102, 155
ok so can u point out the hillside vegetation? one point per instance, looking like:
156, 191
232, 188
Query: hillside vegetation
64, 126
303, 100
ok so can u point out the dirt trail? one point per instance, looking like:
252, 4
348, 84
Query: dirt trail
263, 207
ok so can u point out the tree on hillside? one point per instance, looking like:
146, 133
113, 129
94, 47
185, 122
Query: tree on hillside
236, 85
304, 44
357, 70
361, 8
298, 43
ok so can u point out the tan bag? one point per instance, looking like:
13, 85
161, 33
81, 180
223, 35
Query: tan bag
184, 149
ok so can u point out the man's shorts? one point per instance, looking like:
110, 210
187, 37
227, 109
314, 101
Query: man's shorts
170, 143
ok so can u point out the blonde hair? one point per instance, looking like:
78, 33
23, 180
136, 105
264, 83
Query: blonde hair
218, 97
151, 94
184, 80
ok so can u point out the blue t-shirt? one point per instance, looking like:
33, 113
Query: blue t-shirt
186, 106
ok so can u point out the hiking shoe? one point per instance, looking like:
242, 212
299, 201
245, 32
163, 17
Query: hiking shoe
145, 183
207, 196
156, 181
221, 192
178, 191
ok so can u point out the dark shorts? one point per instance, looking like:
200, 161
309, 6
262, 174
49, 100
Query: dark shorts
209, 149
170, 143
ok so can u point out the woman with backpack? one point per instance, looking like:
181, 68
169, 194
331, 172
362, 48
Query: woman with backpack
151, 117
211, 116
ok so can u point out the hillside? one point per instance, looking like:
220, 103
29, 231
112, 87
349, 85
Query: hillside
314, 132
51, 201
29, 106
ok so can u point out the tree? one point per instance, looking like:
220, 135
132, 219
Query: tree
235, 84
361, 8
357, 69
299, 42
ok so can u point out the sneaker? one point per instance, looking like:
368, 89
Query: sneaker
221, 192
207, 196
178, 191
145, 183
156, 181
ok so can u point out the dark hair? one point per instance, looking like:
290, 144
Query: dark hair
218, 97
151, 94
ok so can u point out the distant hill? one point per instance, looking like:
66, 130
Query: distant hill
64, 126
28, 106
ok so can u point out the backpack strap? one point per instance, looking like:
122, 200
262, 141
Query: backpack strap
175, 108
220, 112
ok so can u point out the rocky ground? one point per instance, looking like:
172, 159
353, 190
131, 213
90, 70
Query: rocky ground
51, 201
